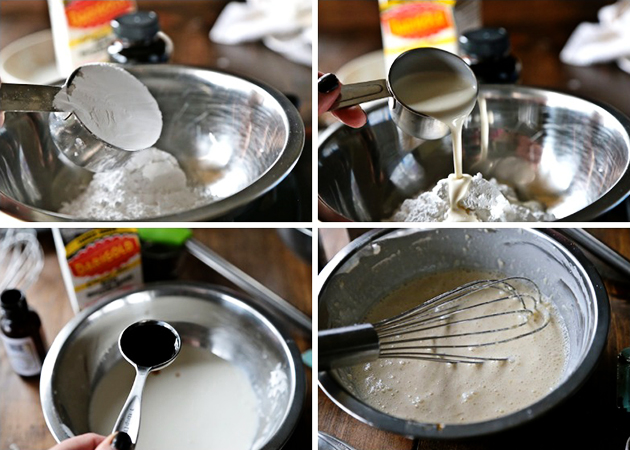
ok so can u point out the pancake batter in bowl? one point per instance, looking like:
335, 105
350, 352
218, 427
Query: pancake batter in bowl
433, 392
200, 402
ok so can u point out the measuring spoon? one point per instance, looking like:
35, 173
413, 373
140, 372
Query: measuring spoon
147, 345
430, 61
73, 136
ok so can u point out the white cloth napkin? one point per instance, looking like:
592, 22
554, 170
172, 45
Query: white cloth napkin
608, 40
283, 26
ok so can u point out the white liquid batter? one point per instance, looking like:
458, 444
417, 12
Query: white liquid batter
200, 402
434, 392
450, 98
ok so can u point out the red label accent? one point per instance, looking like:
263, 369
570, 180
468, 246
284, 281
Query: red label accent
418, 20
104, 256
91, 13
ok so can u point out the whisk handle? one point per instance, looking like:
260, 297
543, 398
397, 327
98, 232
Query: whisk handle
346, 346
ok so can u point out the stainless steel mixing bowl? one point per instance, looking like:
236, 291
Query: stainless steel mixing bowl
206, 316
568, 153
377, 263
234, 136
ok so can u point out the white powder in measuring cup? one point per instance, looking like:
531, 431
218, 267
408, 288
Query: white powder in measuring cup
487, 201
150, 184
113, 105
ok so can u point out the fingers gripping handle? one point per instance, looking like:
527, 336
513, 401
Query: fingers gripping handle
357, 93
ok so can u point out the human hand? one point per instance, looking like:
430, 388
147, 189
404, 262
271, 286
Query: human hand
329, 87
92, 441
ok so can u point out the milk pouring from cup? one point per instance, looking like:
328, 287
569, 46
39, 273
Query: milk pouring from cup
432, 93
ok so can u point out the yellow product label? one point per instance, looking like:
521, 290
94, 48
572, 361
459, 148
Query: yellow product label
92, 236
92, 13
110, 276
416, 19
95, 35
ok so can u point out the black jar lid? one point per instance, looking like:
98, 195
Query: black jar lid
485, 43
13, 300
136, 26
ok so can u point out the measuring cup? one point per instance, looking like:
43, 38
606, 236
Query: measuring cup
71, 136
418, 60
147, 345
77, 142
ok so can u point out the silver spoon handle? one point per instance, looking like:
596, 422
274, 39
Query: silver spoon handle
27, 97
357, 93
129, 419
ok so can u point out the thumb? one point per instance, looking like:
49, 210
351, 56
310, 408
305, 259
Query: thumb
107, 443
117, 441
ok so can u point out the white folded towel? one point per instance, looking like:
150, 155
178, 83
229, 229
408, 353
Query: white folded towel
603, 42
285, 26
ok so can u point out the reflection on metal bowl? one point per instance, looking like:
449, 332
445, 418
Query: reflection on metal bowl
235, 137
570, 154
205, 316
379, 262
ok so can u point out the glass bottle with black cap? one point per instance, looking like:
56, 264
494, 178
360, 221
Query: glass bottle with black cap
139, 40
21, 333
488, 52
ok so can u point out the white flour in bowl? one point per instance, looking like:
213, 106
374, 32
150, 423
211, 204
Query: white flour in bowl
150, 184
487, 201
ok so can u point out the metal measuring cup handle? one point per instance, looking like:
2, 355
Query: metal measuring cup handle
357, 93
413, 123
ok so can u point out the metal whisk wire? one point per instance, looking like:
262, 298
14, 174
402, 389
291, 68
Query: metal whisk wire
443, 310
21, 259
457, 319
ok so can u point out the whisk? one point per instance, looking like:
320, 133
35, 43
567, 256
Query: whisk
21, 259
478, 314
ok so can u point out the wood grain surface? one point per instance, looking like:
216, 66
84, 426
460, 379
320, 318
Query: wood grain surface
259, 252
589, 416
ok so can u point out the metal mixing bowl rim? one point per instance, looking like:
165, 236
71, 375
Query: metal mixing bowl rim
186, 289
283, 165
611, 198
366, 414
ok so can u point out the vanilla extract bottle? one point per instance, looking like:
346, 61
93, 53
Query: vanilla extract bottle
21, 333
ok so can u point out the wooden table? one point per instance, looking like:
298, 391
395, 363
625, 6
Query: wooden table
588, 417
260, 253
